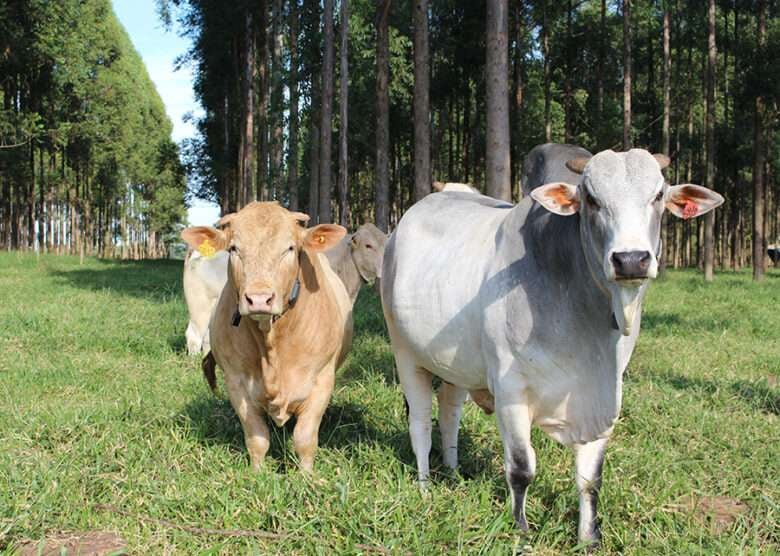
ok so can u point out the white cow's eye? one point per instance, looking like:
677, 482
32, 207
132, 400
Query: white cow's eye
659, 197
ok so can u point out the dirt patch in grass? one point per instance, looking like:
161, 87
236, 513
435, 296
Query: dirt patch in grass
81, 543
717, 513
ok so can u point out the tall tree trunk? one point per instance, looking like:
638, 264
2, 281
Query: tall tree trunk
292, 160
546, 73
422, 118
567, 84
343, 106
277, 102
498, 161
627, 140
600, 71
263, 189
665, 128
246, 151
314, 171
709, 222
326, 115
382, 206
519, 94
759, 161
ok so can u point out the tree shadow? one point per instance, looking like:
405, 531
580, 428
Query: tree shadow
157, 280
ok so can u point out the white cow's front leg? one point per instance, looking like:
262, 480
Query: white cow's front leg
451, 400
514, 423
416, 384
588, 460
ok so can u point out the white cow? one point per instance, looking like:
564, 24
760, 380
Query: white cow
536, 305
204, 278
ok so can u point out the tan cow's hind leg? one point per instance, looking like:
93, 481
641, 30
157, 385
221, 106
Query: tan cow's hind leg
256, 435
307, 427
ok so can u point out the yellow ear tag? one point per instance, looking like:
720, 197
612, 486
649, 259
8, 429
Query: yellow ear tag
206, 249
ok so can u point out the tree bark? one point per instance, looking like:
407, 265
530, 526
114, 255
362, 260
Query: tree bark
326, 116
246, 150
600, 71
759, 161
277, 102
382, 206
665, 135
344, 115
709, 222
262, 191
498, 169
292, 157
422, 119
627, 140
546, 73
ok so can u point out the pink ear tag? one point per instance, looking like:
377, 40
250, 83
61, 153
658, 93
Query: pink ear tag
690, 209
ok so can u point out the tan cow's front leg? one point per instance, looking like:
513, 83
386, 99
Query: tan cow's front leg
256, 435
307, 428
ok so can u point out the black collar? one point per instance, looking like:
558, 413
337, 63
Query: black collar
296, 290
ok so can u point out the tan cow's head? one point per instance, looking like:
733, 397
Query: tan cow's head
264, 241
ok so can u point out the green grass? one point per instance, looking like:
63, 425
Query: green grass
99, 404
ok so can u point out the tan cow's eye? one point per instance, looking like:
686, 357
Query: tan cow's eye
233, 249
369, 246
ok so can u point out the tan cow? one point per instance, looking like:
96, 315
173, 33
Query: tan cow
357, 259
283, 323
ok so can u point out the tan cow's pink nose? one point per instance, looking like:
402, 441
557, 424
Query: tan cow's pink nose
259, 302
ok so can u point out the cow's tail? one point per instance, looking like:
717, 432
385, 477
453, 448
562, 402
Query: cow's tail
209, 366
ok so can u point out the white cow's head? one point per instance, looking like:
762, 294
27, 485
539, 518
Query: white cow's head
367, 245
620, 199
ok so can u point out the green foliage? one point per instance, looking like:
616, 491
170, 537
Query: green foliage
101, 405
86, 106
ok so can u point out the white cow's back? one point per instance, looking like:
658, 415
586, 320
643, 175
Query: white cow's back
447, 238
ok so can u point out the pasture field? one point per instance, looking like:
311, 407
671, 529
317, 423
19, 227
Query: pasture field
100, 405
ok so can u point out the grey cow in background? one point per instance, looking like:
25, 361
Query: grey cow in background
535, 306
357, 259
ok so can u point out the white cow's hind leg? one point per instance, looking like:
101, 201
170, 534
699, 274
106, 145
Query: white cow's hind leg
589, 459
519, 458
416, 384
194, 340
451, 400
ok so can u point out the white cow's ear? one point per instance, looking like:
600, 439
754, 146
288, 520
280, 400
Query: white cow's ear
559, 198
205, 239
688, 200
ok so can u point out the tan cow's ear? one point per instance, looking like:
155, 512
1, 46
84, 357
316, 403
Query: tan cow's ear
205, 239
323, 237
688, 200
559, 198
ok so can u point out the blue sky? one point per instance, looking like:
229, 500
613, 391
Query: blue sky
159, 48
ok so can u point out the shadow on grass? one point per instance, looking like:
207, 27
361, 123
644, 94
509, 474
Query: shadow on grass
668, 323
757, 394
345, 427
157, 280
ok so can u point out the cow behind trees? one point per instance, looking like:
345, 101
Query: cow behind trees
535, 305
283, 323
